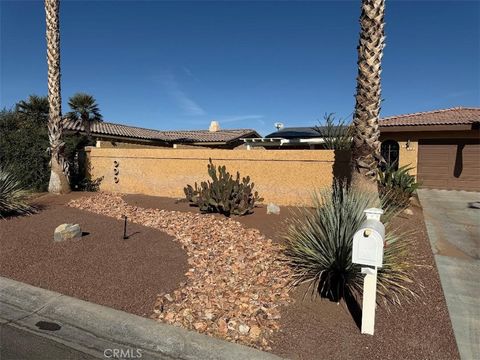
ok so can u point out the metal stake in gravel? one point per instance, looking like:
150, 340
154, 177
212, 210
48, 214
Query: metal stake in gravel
125, 237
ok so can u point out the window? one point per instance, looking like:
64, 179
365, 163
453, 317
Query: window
390, 151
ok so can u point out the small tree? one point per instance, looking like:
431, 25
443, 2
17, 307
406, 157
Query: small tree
85, 108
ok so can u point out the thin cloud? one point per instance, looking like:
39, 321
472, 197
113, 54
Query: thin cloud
231, 119
184, 102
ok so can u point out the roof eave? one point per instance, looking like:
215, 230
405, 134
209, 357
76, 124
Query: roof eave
423, 128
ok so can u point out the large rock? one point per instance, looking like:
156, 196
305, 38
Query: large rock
273, 209
67, 232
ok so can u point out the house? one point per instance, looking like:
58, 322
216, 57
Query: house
292, 138
123, 136
441, 146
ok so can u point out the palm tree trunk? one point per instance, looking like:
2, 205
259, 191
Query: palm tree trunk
59, 183
366, 154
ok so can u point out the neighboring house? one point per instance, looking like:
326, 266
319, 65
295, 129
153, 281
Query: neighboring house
290, 138
118, 135
441, 146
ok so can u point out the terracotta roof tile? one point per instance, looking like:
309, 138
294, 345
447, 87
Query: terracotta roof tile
452, 116
180, 136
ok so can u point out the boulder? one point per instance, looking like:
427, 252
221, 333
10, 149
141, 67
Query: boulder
408, 212
273, 209
67, 232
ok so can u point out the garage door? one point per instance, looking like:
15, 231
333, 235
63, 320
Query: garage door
452, 164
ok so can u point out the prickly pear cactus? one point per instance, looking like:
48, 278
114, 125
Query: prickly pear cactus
223, 194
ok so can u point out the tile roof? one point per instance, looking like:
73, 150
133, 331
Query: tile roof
106, 128
186, 136
452, 116
208, 136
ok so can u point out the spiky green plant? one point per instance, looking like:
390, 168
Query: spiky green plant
397, 185
319, 248
12, 195
337, 134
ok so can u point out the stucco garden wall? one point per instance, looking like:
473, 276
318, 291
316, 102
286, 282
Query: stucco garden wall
285, 177
408, 156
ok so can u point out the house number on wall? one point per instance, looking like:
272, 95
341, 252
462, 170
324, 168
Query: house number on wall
116, 171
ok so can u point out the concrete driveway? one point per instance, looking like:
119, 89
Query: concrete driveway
454, 231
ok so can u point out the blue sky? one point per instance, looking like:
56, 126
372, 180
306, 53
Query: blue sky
179, 65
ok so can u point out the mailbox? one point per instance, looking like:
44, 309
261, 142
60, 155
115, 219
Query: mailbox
369, 239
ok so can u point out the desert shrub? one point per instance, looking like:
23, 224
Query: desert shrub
223, 194
23, 146
12, 195
336, 133
24, 143
396, 186
319, 248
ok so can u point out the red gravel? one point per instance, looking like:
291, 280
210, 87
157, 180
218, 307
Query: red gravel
236, 284
320, 329
100, 267
309, 329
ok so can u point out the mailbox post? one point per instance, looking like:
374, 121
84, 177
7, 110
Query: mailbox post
368, 250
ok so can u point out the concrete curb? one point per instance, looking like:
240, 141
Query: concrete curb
92, 328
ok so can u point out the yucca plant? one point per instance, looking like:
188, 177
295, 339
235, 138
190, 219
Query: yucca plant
319, 248
12, 195
397, 185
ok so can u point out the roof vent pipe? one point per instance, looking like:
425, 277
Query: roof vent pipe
214, 126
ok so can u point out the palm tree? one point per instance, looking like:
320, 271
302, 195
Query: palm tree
35, 108
366, 145
59, 183
84, 108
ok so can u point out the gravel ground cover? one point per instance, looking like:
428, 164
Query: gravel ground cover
320, 329
100, 267
236, 283
200, 272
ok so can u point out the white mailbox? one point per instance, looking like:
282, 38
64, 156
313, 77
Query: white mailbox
368, 241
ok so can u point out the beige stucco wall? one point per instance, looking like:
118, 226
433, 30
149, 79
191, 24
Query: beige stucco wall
285, 177
408, 155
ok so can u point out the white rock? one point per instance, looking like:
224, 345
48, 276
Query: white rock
244, 329
273, 209
209, 315
408, 212
67, 232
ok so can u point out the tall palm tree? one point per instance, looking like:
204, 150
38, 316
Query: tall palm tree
84, 108
59, 183
366, 133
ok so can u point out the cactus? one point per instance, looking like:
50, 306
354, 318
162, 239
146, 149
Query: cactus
223, 194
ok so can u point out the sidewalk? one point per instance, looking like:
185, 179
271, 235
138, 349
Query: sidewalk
57, 325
